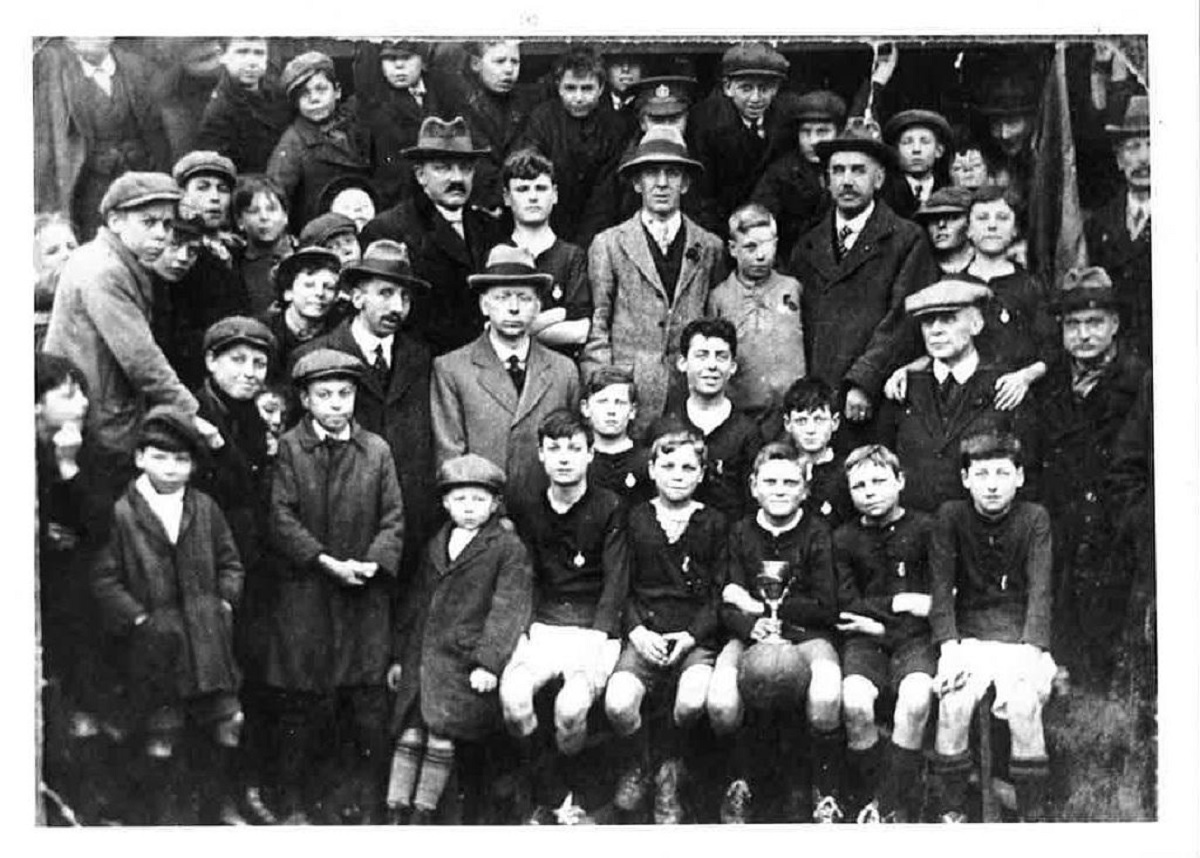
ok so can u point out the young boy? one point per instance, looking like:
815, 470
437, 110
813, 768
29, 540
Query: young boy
968, 167
322, 144
782, 532
337, 526
764, 306
678, 566
335, 232
920, 138
457, 629
352, 196
810, 419
708, 358
260, 213
306, 285
989, 570
576, 536
609, 405
531, 195
882, 561
167, 580
248, 111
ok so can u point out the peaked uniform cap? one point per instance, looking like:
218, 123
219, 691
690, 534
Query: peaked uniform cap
664, 95
1085, 289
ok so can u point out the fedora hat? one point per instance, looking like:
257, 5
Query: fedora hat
860, 135
1136, 122
510, 266
441, 139
387, 260
1006, 96
659, 145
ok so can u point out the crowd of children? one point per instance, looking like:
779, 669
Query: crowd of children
691, 521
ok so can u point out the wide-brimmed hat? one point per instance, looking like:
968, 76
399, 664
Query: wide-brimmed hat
917, 117
1136, 122
1007, 96
859, 135
510, 266
387, 260
659, 145
438, 138
1085, 289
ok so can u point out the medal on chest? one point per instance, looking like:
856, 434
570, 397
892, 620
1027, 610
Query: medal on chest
1004, 317
900, 570
630, 480
579, 560
556, 293
826, 508
719, 467
686, 564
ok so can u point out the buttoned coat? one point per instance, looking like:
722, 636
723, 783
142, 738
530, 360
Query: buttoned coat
463, 614
476, 409
342, 501
243, 125
1127, 262
853, 309
634, 324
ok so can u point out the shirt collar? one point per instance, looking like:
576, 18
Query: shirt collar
418, 88
542, 241
926, 183
761, 520
106, 67
962, 371
156, 499
368, 342
1133, 204
673, 224
322, 433
857, 222
504, 351
451, 215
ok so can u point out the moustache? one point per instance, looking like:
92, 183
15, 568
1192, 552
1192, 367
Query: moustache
456, 186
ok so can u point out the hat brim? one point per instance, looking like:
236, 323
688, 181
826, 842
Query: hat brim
446, 486
935, 211
642, 160
926, 119
539, 281
145, 200
1125, 131
775, 73
881, 152
426, 153
354, 375
942, 308
227, 343
206, 171
366, 270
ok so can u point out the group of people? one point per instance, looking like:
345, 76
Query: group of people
575, 455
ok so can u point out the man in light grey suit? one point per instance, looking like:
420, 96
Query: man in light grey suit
489, 396
651, 275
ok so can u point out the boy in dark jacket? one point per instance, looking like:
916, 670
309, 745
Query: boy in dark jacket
882, 560
784, 535
337, 524
456, 632
167, 579
248, 111
306, 285
810, 420
989, 569
679, 558
610, 399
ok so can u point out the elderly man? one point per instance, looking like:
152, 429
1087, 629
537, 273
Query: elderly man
651, 275
447, 237
950, 399
101, 321
858, 264
1118, 233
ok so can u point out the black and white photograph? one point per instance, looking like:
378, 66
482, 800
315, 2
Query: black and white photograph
529, 421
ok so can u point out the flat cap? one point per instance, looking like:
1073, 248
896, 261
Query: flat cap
324, 227
1085, 289
663, 95
510, 266
301, 68
326, 363
753, 59
924, 118
470, 470
403, 48
133, 189
821, 105
949, 294
239, 330
948, 200
169, 427
202, 161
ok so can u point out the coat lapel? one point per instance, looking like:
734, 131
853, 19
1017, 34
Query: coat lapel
343, 340
405, 370
877, 228
450, 242
149, 522
472, 550
691, 261
493, 377
977, 397
632, 239
818, 249
538, 377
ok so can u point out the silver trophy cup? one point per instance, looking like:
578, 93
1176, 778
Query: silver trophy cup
773, 583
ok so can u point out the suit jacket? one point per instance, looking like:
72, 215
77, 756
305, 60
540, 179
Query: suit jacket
853, 308
476, 410
1127, 262
633, 322
897, 193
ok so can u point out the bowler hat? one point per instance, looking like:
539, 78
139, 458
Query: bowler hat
753, 59
235, 330
1136, 122
326, 363
948, 200
1006, 96
387, 260
131, 190
663, 95
286, 269
301, 68
324, 227
470, 469
821, 105
438, 138
924, 118
859, 135
659, 145
203, 162
169, 427
1085, 289
510, 266
952, 293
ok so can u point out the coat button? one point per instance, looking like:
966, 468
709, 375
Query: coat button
662, 324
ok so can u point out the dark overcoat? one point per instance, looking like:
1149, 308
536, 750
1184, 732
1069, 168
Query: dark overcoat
792, 190
244, 126
1127, 262
342, 500
463, 614
181, 586
495, 121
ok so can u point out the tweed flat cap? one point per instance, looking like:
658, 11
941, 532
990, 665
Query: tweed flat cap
131, 190
1085, 289
238, 330
326, 363
949, 294
203, 162
324, 227
301, 68
753, 59
169, 427
948, 200
510, 266
470, 470
924, 118
821, 105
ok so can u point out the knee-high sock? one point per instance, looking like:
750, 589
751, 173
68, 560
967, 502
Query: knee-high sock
863, 768
828, 748
1030, 778
901, 782
406, 766
435, 772
952, 772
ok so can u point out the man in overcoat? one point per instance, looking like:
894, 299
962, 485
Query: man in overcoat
447, 237
651, 275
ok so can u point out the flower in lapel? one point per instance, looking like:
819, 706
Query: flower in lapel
692, 254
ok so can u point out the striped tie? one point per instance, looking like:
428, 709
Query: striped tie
844, 233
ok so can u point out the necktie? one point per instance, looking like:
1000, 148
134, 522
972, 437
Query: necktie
1137, 220
946, 391
843, 234
380, 367
516, 373
918, 193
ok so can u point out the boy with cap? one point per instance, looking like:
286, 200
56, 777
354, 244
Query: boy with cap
337, 525
652, 274
180, 315
249, 110
921, 138
793, 187
167, 580
455, 633
334, 232
989, 571
323, 142
490, 395
945, 215
207, 179
260, 212
306, 285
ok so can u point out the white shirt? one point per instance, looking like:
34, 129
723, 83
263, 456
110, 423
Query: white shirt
417, 91
102, 74
168, 507
761, 518
536, 243
368, 342
855, 223
664, 231
324, 433
707, 421
962, 371
925, 187
460, 538
454, 218
756, 127
504, 351
1133, 207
